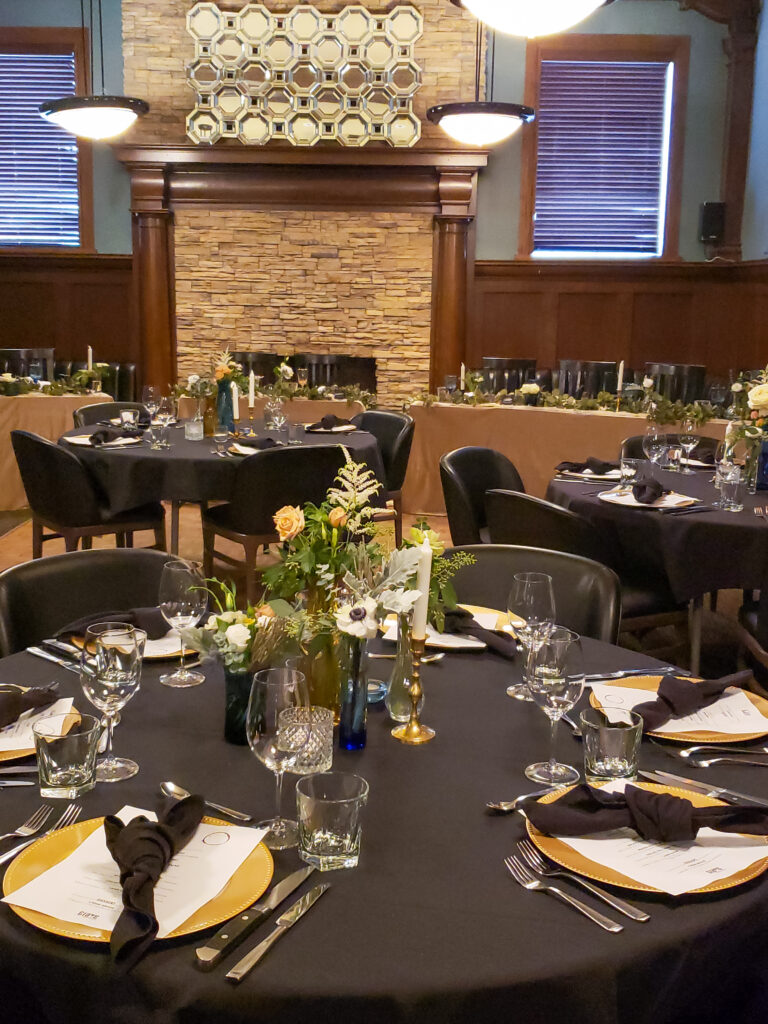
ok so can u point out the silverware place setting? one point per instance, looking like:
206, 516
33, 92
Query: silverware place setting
509, 806
646, 670
69, 817
528, 879
178, 793
32, 825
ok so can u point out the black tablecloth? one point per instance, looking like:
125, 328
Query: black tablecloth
429, 927
189, 470
698, 553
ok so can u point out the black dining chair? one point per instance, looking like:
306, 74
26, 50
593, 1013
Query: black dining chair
753, 639
20, 361
678, 381
587, 594
97, 412
501, 373
394, 434
264, 483
466, 474
632, 447
64, 498
38, 598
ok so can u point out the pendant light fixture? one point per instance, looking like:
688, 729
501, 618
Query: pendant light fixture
480, 122
94, 116
531, 17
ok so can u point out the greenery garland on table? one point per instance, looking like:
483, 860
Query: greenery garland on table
11, 386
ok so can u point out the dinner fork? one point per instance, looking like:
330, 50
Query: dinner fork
32, 825
523, 876
69, 817
533, 858
759, 511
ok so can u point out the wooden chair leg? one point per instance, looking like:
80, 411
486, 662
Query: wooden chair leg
87, 544
209, 540
175, 507
129, 540
251, 552
37, 539
160, 536
119, 540
397, 502
70, 540
713, 601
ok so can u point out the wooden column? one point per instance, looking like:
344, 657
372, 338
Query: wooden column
449, 297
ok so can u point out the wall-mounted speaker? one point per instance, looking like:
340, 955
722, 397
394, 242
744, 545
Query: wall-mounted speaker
712, 223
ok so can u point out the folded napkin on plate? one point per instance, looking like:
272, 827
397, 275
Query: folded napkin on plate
151, 620
142, 850
462, 622
677, 697
258, 444
591, 465
647, 490
706, 456
106, 434
14, 702
659, 817
331, 422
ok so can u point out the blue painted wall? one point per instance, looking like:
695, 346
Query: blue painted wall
755, 238
112, 221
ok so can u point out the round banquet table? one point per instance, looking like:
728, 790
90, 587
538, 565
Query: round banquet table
188, 470
699, 553
429, 927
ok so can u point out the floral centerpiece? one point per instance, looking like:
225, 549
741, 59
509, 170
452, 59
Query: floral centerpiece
748, 429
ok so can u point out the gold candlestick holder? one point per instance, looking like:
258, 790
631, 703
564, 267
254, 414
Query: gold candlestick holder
413, 731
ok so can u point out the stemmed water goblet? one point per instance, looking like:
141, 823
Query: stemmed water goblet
689, 440
166, 414
302, 376
556, 682
182, 599
110, 674
277, 738
655, 445
150, 399
531, 604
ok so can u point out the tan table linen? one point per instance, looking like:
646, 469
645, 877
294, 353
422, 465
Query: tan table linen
47, 415
535, 439
298, 410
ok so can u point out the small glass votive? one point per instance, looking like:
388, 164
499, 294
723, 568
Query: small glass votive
611, 748
317, 755
628, 469
674, 458
732, 490
194, 430
295, 432
329, 808
443, 395
66, 747
129, 418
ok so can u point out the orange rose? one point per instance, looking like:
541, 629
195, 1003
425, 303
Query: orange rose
337, 517
264, 612
221, 372
289, 522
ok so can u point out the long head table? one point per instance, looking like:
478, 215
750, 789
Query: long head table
46, 415
429, 927
297, 410
535, 439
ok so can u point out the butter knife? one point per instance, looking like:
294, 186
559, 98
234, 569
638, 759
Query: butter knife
38, 652
730, 796
6, 783
233, 932
284, 922
27, 769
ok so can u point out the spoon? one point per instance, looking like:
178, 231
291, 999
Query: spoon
705, 762
172, 790
508, 806
573, 726
694, 752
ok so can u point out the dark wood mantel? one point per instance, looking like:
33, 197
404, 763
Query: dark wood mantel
164, 178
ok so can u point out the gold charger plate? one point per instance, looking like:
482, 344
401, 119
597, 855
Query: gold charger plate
188, 652
610, 498
504, 621
244, 887
13, 755
651, 683
567, 857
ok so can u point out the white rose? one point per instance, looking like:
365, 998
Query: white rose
7, 376
647, 382
738, 386
530, 388
228, 616
211, 623
238, 636
758, 397
286, 372
321, 390
192, 379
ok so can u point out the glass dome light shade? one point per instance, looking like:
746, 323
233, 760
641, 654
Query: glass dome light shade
480, 123
94, 117
531, 18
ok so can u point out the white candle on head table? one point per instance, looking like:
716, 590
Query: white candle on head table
251, 389
235, 401
90, 358
423, 577
462, 376
620, 382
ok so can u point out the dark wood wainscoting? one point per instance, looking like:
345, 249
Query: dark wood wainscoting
684, 313
68, 302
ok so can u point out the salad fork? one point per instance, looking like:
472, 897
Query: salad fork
32, 825
533, 858
69, 817
526, 878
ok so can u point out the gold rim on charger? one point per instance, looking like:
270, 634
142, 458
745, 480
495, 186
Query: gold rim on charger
558, 850
504, 621
78, 641
604, 496
651, 683
243, 888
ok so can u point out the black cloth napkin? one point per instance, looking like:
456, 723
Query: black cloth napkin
461, 621
259, 444
676, 697
142, 850
151, 620
329, 421
659, 817
646, 490
106, 434
14, 702
593, 465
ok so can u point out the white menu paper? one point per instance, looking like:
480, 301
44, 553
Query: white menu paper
733, 713
19, 735
164, 647
451, 641
84, 888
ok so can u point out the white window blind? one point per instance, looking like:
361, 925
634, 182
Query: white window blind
603, 153
39, 202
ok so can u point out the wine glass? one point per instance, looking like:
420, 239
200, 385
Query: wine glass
278, 739
556, 681
689, 440
166, 414
655, 445
302, 376
220, 439
182, 600
110, 674
150, 399
723, 463
532, 601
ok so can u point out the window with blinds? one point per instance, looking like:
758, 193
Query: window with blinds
39, 195
603, 158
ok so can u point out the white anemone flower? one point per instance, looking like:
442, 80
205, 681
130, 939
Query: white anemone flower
358, 619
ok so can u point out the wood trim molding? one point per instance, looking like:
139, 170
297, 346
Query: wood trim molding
607, 47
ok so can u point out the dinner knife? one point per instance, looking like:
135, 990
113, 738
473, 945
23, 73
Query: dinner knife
6, 783
284, 922
60, 647
38, 652
731, 796
28, 769
233, 932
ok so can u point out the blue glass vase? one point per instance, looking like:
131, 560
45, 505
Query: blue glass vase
237, 685
762, 468
354, 695
225, 412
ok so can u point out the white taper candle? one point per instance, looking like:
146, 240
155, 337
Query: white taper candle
235, 401
423, 577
